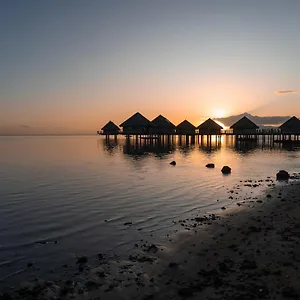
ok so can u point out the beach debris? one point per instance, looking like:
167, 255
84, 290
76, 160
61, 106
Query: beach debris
282, 175
226, 170
173, 163
210, 166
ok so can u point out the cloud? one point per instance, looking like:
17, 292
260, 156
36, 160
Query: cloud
288, 92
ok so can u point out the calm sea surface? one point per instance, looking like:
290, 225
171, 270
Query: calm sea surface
62, 197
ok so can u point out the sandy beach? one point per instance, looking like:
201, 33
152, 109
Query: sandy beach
248, 252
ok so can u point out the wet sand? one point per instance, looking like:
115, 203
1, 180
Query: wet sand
249, 252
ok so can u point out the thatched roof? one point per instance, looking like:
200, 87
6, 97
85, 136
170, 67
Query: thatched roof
186, 125
137, 120
209, 124
162, 122
110, 126
244, 123
292, 123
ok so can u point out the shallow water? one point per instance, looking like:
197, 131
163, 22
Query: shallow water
62, 197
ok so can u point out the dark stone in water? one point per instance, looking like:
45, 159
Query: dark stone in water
210, 165
173, 163
226, 170
82, 260
128, 223
282, 175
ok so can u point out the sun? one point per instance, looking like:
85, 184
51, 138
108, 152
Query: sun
219, 113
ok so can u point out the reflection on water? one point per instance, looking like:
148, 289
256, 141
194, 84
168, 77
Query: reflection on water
142, 147
79, 191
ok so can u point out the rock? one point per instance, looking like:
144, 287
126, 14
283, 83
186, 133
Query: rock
151, 248
200, 219
127, 223
223, 208
5, 296
290, 292
269, 196
282, 175
91, 285
226, 170
173, 265
248, 264
186, 292
101, 274
100, 256
222, 266
210, 166
173, 163
82, 260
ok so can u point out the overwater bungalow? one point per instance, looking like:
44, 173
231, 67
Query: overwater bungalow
244, 126
185, 128
209, 127
162, 126
137, 124
291, 126
110, 129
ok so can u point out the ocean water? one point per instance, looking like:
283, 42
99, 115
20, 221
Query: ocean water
67, 196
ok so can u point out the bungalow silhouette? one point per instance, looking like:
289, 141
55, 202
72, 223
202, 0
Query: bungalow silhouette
110, 129
162, 125
137, 124
185, 128
291, 126
244, 126
209, 127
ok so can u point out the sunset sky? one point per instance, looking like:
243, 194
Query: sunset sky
70, 66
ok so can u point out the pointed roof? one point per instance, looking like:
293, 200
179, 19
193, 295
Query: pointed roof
163, 122
244, 123
210, 124
186, 125
136, 120
110, 126
291, 123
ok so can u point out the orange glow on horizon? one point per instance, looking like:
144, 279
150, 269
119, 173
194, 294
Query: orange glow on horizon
221, 124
